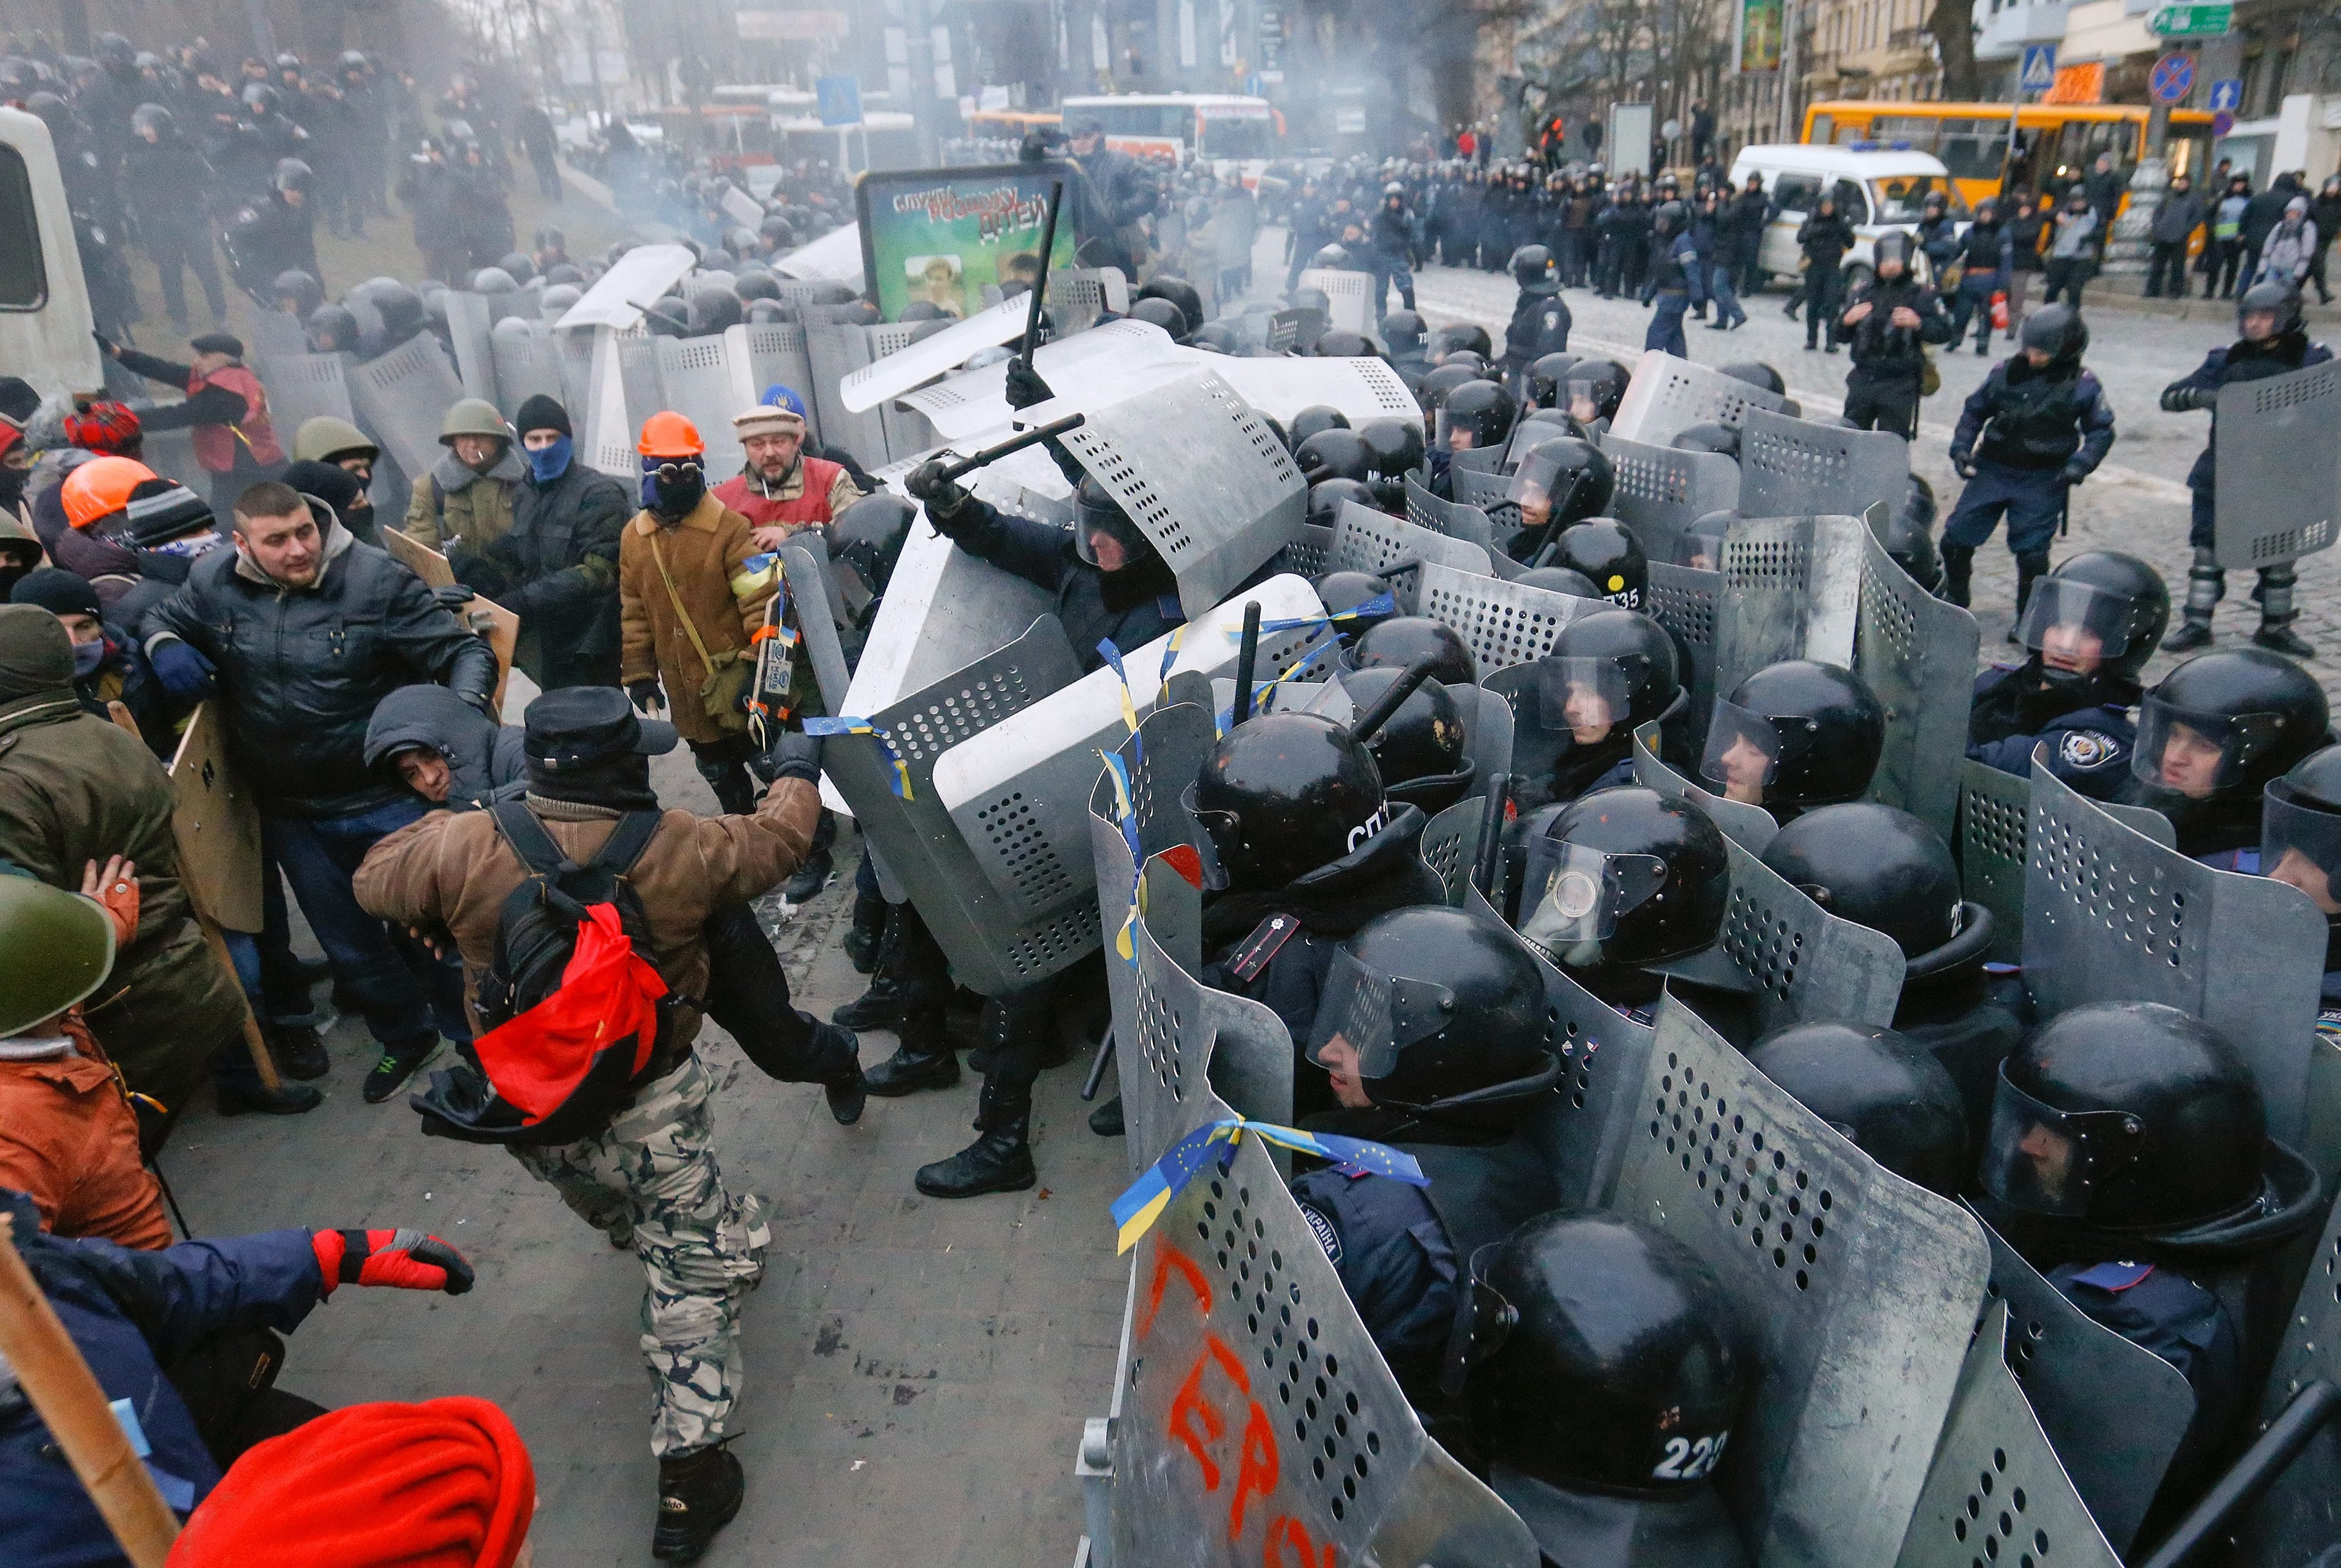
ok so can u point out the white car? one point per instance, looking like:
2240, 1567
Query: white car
1876, 191
46, 327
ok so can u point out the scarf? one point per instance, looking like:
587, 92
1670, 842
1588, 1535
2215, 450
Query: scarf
622, 783
549, 463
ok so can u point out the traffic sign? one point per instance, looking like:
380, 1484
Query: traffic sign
2040, 70
2173, 78
2222, 123
2194, 21
840, 99
2227, 93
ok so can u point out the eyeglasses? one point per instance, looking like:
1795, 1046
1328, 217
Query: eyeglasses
678, 473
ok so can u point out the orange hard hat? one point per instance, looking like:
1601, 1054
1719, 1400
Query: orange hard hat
668, 434
101, 487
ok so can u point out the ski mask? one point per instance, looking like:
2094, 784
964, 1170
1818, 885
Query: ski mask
549, 463
671, 486
87, 657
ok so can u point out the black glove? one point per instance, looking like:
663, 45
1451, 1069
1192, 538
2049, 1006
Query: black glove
1025, 386
645, 695
2073, 474
453, 596
1963, 465
2185, 400
930, 483
795, 755
106, 345
478, 573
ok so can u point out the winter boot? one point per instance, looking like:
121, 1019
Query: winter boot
999, 1160
2277, 614
865, 940
1959, 571
913, 976
2029, 569
2207, 584
925, 1061
1106, 1121
699, 1493
805, 883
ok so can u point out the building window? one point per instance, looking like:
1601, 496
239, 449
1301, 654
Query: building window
23, 280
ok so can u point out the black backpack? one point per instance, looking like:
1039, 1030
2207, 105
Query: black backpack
536, 937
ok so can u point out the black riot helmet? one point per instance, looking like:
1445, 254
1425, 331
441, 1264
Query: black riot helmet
2058, 332
1418, 750
2099, 614
869, 536
1561, 480
1312, 300
298, 293
1328, 496
2128, 1116
1470, 360
1158, 312
1886, 1095
333, 329
2221, 725
1436, 1012
2301, 837
1393, 447
2277, 299
1343, 345
1476, 414
1282, 794
1610, 671
1103, 534
715, 311
1596, 388
1463, 337
1403, 640
1905, 536
1331, 454
1533, 270
1795, 734
1708, 436
1178, 292
1625, 877
1593, 1353
1670, 218
292, 174
1606, 550
1558, 580
1404, 332
1896, 247
1548, 375
1700, 544
1330, 259
1316, 417
400, 309
1438, 385
1877, 866
1756, 373
1341, 594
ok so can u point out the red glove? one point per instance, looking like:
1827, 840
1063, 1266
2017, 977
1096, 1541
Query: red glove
401, 1259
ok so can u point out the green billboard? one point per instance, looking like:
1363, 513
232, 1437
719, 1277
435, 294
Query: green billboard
944, 235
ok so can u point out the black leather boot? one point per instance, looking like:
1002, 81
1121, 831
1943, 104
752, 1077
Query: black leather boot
699, 1493
925, 1061
2277, 614
2207, 584
1958, 571
913, 976
2029, 570
999, 1160
865, 940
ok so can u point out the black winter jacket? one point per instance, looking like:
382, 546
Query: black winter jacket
556, 568
1131, 607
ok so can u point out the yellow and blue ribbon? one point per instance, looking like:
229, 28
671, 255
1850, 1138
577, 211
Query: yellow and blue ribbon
1142, 1203
1379, 605
756, 573
1125, 799
814, 725
1260, 689
1112, 657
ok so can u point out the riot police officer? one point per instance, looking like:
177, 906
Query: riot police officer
1418, 749
1337, 453
1394, 450
1596, 388
1432, 1037
1888, 320
1886, 869
1606, 553
1795, 734
1548, 380
1700, 546
1560, 482
2089, 628
1541, 321
1406, 334
1601, 1369
1478, 413
2271, 341
1404, 641
2300, 844
2211, 735
2038, 425
1609, 672
1886, 1094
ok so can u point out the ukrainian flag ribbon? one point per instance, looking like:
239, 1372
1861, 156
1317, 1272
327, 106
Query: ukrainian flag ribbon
1137, 1209
814, 725
1261, 687
1381, 604
1125, 797
1112, 656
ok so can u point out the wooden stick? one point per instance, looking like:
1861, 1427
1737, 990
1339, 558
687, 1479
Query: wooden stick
252, 1041
68, 1399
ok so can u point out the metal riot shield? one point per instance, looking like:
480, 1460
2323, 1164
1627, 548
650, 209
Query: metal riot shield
470, 330
810, 583
527, 364
1363, 388
1918, 652
1993, 809
771, 353
302, 387
402, 397
1792, 467
609, 443
2114, 1411
1683, 599
1086, 369
1861, 1289
2111, 915
1452, 518
577, 352
1749, 825
216, 823
1351, 294
938, 354
1666, 396
701, 384
640, 374
1504, 623
1996, 1493
1450, 843
833, 352
1201, 475
1307, 553
1791, 589
2300, 1514
275, 335
1079, 295
1239, 1313
1016, 790
1364, 540
616, 298
1661, 491
2279, 467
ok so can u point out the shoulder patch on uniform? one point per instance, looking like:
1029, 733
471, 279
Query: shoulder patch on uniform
1267, 939
2114, 1277
1327, 1236
2086, 748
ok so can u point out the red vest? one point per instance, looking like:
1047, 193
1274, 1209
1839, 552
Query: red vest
809, 510
215, 444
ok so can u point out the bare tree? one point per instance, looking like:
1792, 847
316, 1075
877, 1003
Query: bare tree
1952, 21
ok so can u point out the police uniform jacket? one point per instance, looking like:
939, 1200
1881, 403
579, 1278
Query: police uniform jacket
1883, 351
2036, 418
2241, 362
1539, 326
1131, 608
2089, 746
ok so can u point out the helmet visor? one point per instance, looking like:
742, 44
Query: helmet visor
2301, 844
1107, 540
1573, 894
1743, 750
1541, 480
1484, 1320
1472, 428
2046, 1161
1699, 552
2075, 625
1374, 1015
2199, 754
1586, 695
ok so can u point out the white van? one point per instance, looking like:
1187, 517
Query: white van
1875, 191
46, 333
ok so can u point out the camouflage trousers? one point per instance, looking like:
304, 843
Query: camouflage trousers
650, 1181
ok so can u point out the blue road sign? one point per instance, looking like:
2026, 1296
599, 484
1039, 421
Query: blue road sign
2173, 78
840, 98
2226, 94
2039, 72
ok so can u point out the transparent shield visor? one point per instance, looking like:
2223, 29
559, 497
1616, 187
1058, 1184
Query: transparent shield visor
2301, 845
1541, 424
2075, 626
1446, 426
1328, 698
1108, 540
1743, 751
1699, 552
2046, 1161
1584, 696
1597, 389
1219, 828
2199, 754
1484, 1320
1376, 1016
1573, 894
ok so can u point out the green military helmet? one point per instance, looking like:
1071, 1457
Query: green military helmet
473, 416
326, 439
56, 949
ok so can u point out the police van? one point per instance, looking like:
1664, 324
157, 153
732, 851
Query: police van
1875, 190
47, 335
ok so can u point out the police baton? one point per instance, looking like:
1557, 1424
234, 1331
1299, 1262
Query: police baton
1040, 283
1246, 662
1492, 834
1015, 443
1097, 1067
1374, 718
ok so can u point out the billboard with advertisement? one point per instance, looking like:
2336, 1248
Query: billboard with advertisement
1755, 36
944, 235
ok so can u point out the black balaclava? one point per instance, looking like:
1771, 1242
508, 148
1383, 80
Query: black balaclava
620, 783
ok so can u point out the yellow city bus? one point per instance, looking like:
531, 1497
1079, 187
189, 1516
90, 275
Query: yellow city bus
2055, 141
